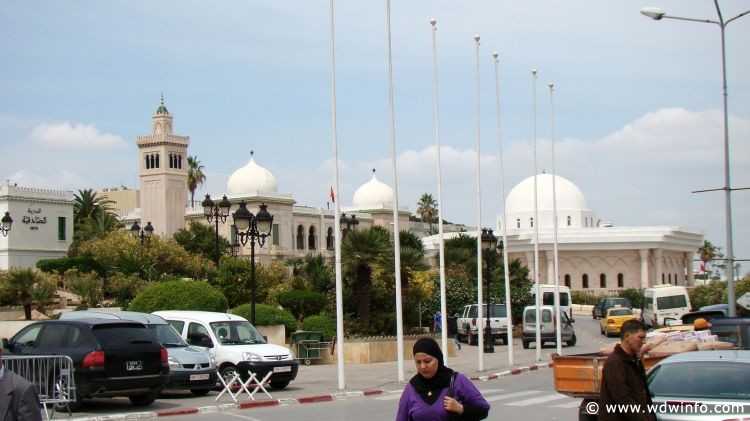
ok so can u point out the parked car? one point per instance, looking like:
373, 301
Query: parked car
190, 368
469, 325
689, 318
613, 320
732, 329
547, 324
663, 303
235, 344
111, 357
698, 380
600, 309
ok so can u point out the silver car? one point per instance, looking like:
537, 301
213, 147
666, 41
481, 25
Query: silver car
702, 385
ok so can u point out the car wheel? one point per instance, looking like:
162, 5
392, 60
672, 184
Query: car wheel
572, 340
145, 399
61, 391
228, 372
199, 392
601, 330
525, 344
280, 384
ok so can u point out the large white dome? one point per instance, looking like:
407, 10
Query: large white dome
373, 194
569, 196
252, 178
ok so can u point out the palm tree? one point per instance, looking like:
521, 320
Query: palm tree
707, 253
19, 283
361, 252
427, 209
195, 177
87, 205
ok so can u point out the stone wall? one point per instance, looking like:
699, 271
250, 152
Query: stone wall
374, 350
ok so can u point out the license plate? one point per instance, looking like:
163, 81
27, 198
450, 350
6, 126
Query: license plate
134, 365
195, 377
282, 369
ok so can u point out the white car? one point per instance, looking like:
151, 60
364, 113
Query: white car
235, 344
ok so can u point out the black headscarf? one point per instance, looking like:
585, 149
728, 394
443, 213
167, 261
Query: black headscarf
429, 389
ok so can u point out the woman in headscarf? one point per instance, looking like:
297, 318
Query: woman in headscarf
428, 397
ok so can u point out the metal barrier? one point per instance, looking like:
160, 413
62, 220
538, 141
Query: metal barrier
51, 374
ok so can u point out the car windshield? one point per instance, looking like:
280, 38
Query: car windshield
122, 335
704, 379
621, 312
236, 332
166, 335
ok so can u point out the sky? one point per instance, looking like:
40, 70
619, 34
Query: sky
636, 109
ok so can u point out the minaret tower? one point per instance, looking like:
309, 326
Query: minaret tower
163, 172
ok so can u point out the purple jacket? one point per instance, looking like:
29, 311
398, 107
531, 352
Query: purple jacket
412, 407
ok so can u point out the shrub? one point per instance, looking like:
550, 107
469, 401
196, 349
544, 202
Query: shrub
585, 297
267, 315
302, 304
634, 295
84, 263
321, 323
179, 295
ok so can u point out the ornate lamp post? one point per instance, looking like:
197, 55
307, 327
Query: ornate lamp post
143, 234
7, 223
489, 244
251, 227
216, 212
348, 224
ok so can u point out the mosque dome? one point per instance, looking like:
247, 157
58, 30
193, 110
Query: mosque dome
251, 178
373, 194
569, 196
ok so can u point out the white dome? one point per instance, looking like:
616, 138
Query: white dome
373, 194
569, 196
251, 178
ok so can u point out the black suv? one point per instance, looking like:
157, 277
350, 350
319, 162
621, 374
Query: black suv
600, 309
111, 357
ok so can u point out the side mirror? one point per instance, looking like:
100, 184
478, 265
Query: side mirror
265, 338
6, 344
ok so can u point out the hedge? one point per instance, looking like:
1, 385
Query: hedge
179, 295
267, 315
321, 323
84, 264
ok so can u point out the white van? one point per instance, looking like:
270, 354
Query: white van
547, 291
664, 302
235, 344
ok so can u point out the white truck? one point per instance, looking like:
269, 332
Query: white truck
469, 325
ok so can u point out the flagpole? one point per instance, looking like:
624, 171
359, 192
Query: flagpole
443, 303
480, 307
536, 229
558, 335
336, 218
396, 239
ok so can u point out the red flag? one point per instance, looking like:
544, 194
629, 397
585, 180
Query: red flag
333, 196
703, 268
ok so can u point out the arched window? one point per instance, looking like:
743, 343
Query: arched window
148, 163
330, 239
518, 223
585, 280
662, 278
532, 222
311, 239
602, 280
620, 281
179, 161
570, 220
567, 280
300, 238
152, 161
157, 161
669, 278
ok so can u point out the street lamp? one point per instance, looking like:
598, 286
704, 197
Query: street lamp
216, 212
348, 224
251, 227
143, 234
234, 248
7, 222
489, 244
656, 13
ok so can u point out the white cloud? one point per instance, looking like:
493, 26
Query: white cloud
80, 136
64, 179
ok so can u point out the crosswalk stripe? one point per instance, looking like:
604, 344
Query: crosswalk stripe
512, 395
541, 399
572, 404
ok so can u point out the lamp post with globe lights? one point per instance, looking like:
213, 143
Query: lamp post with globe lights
144, 233
251, 228
7, 222
216, 212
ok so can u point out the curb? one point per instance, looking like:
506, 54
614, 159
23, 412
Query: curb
287, 401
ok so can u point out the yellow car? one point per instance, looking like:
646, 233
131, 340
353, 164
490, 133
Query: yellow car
613, 320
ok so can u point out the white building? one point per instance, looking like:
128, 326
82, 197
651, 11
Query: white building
593, 255
42, 225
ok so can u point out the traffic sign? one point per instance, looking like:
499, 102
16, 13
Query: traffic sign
744, 301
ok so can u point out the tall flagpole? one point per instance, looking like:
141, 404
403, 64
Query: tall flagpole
537, 300
336, 219
396, 239
480, 315
554, 219
509, 340
443, 303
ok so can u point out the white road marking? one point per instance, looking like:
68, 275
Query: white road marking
240, 416
541, 399
572, 404
512, 395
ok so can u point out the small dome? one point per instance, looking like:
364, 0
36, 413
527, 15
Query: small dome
251, 178
569, 196
162, 110
373, 194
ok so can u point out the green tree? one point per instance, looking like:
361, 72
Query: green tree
301, 304
87, 286
200, 238
179, 295
19, 284
427, 209
195, 177
87, 205
233, 279
318, 273
92, 218
461, 256
707, 252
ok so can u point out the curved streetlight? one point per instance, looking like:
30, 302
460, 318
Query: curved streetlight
142, 233
7, 222
251, 228
216, 212
656, 13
